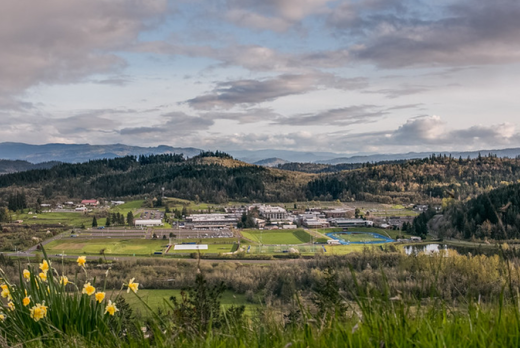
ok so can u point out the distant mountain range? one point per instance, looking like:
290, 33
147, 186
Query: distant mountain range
510, 153
83, 152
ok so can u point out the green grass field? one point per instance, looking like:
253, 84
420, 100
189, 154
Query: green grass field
72, 219
112, 246
156, 299
127, 207
277, 236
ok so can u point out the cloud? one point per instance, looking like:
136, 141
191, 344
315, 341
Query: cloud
432, 133
252, 115
175, 123
273, 15
400, 91
336, 117
397, 34
249, 92
55, 41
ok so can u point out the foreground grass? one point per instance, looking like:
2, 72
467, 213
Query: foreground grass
156, 299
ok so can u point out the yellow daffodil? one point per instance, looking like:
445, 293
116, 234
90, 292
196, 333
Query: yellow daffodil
88, 289
2, 317
39, 311
5, 291
43, 276
100, 296
82, 260
10, 305
132, 286
26, 274
44, 266
111, 308
26, 301
64, 280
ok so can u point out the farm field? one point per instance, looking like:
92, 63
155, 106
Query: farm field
72, 219
113, 246
277, 236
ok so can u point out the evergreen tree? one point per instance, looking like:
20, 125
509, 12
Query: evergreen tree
130, 218
94, 222
107, 223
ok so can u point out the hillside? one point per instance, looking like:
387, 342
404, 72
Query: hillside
217, 177
271, 162
9, 166
414, 181
492, 215
210, 177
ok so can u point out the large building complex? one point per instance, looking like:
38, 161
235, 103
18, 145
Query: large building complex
272, 213
202, 221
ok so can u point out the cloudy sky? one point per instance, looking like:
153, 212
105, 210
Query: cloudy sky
347, 76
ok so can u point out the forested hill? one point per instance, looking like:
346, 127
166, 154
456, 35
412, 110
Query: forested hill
212, 177
494, 215
415, 181
217, 177
9, 166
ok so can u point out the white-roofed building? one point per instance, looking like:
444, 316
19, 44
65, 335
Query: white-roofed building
148, 223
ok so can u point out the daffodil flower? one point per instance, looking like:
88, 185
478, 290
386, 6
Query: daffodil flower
26, 274
132, 286
39, 311
11, 306
111, 308
100, 296
82, 260
44, 266
26, 301
88, 289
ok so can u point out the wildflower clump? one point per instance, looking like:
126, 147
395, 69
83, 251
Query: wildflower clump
39, 306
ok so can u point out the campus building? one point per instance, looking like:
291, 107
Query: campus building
351, 223
204, 221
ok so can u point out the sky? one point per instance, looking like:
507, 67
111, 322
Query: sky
343, 76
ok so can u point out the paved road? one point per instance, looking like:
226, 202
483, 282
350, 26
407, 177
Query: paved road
121, 258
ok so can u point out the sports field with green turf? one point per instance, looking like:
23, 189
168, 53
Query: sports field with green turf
212, 249
277, 236
122, 246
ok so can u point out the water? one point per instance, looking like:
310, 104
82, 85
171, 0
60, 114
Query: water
435, 248
428, 248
